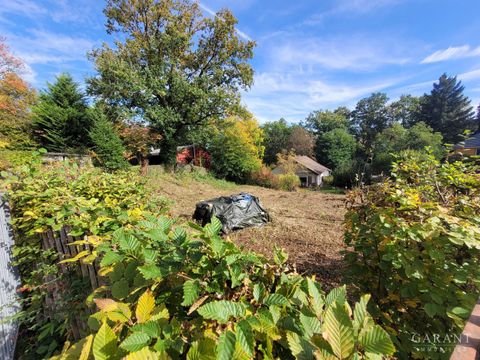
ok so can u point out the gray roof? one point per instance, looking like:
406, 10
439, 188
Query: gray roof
472, 142
311, 164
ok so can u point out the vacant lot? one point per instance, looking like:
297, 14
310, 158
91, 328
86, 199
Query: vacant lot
307, 224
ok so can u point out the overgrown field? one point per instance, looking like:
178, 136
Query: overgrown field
307, 224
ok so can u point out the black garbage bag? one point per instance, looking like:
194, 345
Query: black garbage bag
235, 212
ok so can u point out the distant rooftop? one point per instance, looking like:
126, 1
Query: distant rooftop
471, 142
311, 164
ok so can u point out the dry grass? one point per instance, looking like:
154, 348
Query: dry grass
307, 224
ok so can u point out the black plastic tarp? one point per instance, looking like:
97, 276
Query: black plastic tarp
235, 211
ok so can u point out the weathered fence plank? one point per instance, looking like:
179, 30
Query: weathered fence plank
9, 283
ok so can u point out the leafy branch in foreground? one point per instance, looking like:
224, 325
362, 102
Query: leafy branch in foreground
174, 292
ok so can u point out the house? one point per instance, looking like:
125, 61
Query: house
470, 146
308, 170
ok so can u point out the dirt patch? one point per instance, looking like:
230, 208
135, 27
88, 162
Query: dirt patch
307, 224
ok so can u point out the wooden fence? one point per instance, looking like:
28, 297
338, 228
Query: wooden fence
61, 241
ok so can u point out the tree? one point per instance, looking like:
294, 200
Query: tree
322, 121
139, 140
396, 139
336, 148
16, 98
107, 145
447, 110
370, 117
175, 69
477, 118
236, 148
276, 134
405, 110
60, 119
301, 141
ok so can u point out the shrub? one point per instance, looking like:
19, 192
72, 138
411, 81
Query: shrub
179, 293
89, 202
416, 247
327, 180
288, 182
264, 177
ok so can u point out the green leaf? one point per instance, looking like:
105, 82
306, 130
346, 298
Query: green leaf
431, 309
150, 271
275, 299
258, 292
135, 341
336, 295
105, 343
299, 347
203, 349
222, 310
144, 354
214, 227
377, 341
310, 324
190, 292
151, 328
338, 330
120, 289
245, 337
318, 299
361, 318
226, 346
110, 258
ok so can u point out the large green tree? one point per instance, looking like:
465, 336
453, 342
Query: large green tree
447, 110
322, 121
396, 138
173, 68
60, 119
336, 148
276, 134
369, 118
405, 110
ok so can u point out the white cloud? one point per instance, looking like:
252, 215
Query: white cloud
352, 53
294, 95
469, 75
212, 13
355, 7
458, 52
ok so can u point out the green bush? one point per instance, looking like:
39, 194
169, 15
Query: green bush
416, 248
288, 182
167, 290
50, 197
12, 158
174, 292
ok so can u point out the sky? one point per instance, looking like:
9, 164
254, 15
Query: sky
309, 55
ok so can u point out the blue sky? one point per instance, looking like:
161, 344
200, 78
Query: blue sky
310, 54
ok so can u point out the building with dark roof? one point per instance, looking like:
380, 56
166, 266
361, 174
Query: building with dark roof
470, 146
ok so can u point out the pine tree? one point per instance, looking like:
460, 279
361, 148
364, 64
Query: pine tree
107, 145
61, 121
447, 110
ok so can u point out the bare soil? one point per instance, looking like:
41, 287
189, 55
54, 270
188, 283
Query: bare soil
307, 224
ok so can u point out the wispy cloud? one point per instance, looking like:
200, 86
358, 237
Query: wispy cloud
458, 52
213, 13
352, 53
294, 95
350, 7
